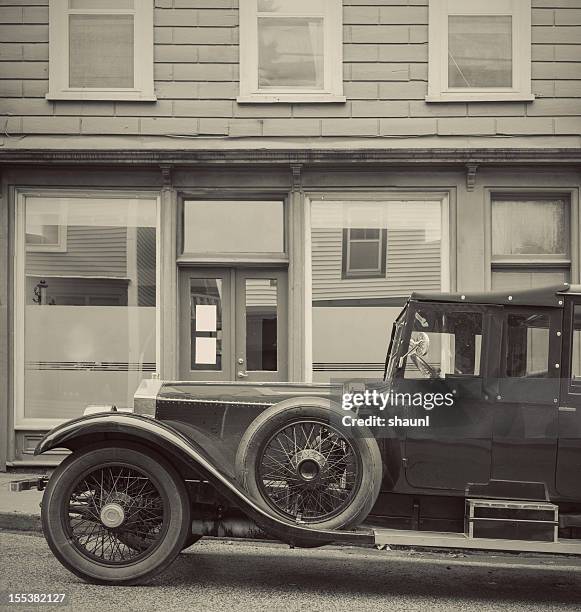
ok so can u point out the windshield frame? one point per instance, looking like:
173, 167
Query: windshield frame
395, 343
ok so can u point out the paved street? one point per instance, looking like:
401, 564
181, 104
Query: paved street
218, 575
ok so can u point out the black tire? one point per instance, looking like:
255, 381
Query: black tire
100, 480
358, 455
191, 540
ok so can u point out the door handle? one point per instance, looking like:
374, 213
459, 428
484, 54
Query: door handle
242, 374
567, 409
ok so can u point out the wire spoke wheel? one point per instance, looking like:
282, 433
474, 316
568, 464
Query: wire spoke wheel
308, 471
116, 514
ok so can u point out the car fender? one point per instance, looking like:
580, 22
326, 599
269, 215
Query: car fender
159, 434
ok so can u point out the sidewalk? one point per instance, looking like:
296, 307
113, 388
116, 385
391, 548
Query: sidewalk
19, 511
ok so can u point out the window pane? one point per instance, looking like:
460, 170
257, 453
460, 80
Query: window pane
206, 323
301, 7
233, 227
261, 324
90, 309
513, 279
544, 233
290, 52
363, 309
101, 4
101, 51
42, 235
480, 51
576, 347
365, 255
528, 345
454, 344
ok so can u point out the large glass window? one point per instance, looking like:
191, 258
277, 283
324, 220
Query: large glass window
390, 248
531, 254
89, 306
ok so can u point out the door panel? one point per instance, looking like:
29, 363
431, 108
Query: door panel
206, 324
233, 324
261, 347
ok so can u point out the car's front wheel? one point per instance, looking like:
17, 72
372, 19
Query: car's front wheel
115, 515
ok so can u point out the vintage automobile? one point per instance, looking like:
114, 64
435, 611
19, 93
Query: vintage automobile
495, 464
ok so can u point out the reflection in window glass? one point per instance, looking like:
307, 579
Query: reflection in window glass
290, 52
90, 308
352, 314
544, 233
528, 345
214, 226
450, 344
479, 51
261, 324
364, 252
101, 51
206, 323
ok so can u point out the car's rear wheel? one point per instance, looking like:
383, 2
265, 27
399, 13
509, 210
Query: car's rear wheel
297, 461
116, 515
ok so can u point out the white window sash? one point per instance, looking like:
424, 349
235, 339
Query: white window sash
439, 11
332, 60
59, 89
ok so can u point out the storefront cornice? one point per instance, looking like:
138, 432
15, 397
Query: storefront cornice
415, 156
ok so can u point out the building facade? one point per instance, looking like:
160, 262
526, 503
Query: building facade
249, 190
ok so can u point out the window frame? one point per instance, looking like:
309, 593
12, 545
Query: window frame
534, 262
381, 270
143, 85
439, 11
21, 421
332, 91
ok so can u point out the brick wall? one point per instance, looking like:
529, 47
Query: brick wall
385, 76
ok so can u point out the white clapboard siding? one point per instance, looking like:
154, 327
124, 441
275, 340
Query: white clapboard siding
412, 264
90, 251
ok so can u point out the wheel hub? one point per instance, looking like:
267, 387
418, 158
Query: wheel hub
112, 515
310, 465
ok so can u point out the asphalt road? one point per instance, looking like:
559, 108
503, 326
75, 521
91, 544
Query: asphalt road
226, 576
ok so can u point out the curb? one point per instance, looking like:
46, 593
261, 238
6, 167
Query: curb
16, 521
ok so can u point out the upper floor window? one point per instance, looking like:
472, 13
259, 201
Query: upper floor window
291, 51
101, 50
479, 50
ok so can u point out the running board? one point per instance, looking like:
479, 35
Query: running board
435, 539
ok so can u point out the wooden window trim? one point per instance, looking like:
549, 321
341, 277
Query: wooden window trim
333, 60
438, 90
59, 89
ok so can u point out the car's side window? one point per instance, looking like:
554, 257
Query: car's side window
450, 341
576, 349
527, 345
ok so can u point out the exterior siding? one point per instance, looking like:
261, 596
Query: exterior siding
385, 79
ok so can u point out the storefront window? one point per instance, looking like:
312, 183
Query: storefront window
367, 257
89, 299
532, 254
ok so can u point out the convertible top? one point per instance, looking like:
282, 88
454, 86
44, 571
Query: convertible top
541, 296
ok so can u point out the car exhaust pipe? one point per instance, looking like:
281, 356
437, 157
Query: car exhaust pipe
228, 528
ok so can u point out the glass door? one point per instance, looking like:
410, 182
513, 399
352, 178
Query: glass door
233, 324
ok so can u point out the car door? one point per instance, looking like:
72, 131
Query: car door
526, 406
568, 468
456, 448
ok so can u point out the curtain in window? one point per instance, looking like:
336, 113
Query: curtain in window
290, 52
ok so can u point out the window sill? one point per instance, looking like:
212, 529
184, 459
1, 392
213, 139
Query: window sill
498, 96
291, 97
102, 94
